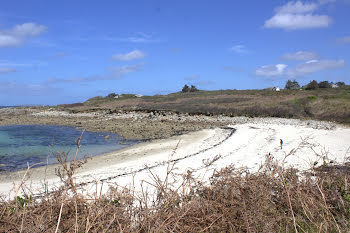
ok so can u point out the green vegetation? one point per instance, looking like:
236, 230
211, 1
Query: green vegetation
187, 89
292, 85
109, 98
331, 104
312, 85
325, 84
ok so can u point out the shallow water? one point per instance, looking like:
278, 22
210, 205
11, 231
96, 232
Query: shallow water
22, 144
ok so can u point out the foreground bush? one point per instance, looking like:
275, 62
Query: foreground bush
273, 199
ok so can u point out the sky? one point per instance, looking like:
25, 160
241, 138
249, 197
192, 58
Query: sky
55, 52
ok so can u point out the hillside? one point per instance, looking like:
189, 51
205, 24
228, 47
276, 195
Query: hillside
321, 104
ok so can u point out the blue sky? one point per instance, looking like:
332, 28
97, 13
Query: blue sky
54, 52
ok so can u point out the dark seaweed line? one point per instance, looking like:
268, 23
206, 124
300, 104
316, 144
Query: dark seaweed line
165, 162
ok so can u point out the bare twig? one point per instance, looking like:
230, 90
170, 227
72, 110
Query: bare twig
59, 217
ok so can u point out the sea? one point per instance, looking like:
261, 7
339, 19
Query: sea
37, 145
7, 106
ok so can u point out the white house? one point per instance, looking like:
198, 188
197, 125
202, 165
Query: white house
273, 89
333, 85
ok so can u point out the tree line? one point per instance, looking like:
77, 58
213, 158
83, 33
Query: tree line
312, 85
187, 89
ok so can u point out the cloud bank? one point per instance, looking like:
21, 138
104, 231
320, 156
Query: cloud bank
313, 66
20, 34
133, 55
297, 15
5, 70
300, 56
271, 70
301, 69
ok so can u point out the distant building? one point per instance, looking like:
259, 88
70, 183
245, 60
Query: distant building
273, 89
333, 85
116, 97
138, 95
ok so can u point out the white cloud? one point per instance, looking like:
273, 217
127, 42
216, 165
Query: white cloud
7, 63
300, 55
4, 70
296, 8
271, 70
9, 40
239, 49
313, 66
140, 37
345, 39
28, 29
193, 77
297, 15
326, 1
298, 21
116, 73
121, 70
20, 34
136, 39
308, 67
133, 55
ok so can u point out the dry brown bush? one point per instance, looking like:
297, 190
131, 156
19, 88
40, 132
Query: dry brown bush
273, 199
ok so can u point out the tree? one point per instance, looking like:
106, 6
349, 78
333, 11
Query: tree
185, 89
324, 84
292, 85
193, 88
340, 84
111, 95
312, 85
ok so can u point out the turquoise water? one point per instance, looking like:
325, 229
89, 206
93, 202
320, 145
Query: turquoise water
20, 144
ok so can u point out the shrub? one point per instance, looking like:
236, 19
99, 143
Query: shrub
273, 199
324, 84
193, 88
185, 89
312, 85
111, 95
340, 84
292, 85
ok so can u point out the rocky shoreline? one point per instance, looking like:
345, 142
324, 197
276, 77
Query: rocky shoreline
140, 125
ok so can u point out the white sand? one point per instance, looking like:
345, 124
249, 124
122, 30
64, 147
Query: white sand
246, 147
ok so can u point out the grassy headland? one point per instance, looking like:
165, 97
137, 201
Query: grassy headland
320, 104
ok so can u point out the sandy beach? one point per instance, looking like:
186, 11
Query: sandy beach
201, 153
